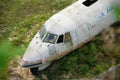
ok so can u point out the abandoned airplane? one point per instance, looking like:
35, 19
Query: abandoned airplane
67, 30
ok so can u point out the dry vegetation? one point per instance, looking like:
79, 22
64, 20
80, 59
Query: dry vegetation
17, 72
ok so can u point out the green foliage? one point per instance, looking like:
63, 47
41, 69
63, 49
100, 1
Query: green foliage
100, 68
7, 52
82, 69
117, 11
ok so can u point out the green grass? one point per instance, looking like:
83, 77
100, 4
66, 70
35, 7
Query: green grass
21, 19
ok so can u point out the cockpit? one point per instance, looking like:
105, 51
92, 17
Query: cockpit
53, 38
50, 38
47, 37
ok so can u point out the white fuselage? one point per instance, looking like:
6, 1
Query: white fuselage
72, 27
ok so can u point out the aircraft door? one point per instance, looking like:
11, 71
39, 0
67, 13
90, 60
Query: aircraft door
64, 44
83, 33
68, 41
60, 45
56, 51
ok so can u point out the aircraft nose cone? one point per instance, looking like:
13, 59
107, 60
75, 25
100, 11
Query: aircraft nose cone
31, 64
34, 56
35, 53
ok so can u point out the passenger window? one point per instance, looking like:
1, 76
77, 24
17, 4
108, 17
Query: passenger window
89, 2
60, 39
67, 36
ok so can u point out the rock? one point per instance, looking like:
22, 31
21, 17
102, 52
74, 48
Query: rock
66, 76
44, 77
112, 74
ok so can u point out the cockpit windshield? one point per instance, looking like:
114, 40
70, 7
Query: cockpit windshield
50, 38
42, 32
